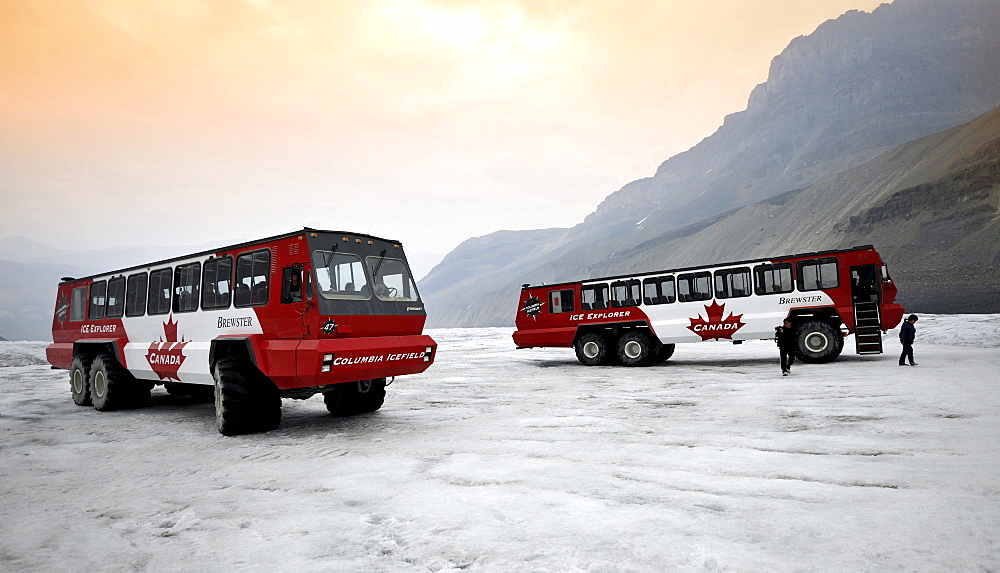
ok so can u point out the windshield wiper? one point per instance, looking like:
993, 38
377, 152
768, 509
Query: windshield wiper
381, 259
327, 257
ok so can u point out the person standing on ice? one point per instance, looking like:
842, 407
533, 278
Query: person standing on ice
784, 335
907, 333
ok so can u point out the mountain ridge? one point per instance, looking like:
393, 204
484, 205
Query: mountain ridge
857, 87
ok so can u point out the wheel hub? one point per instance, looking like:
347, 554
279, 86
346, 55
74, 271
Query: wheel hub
78, 381
817, 342
591, 350
100, 384
633, 349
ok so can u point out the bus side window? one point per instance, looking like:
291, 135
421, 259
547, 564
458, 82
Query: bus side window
625, 293
659, 290
135, 295
159, 291
216, 287
732, 283
561, 301
594, 297
818, 274
651, 291
694, 286
78, 306
252, 270
98, 296
186, 287
773, 279
116, 297
668, 291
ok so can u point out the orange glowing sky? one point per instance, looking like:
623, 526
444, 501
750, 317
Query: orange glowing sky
190, 121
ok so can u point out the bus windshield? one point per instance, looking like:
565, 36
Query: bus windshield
340, 276
392, 279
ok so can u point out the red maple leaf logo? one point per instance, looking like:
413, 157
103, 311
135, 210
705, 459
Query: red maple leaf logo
714, 326
165, 357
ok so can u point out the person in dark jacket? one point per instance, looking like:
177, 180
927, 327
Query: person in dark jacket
907, 333
784, 335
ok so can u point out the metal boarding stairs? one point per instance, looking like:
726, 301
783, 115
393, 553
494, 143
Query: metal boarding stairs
867, 328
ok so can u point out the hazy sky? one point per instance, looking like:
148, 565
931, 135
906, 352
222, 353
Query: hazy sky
191, 121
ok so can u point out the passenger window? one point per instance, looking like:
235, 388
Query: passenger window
561, 301
651, 291
594, 297
216, 287
668, 290
732, 283
694, 286
392, 279
659, 290
625, 293
773, 279
186, 284
341, 276
159, 291
818, 274
78, 307
135, 295
252, 270
116, 298
98, 292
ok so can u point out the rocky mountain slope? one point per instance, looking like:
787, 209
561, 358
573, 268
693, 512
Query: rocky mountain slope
931, 207
857, 87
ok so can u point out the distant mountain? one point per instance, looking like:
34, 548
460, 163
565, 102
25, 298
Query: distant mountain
421, 262
857, 87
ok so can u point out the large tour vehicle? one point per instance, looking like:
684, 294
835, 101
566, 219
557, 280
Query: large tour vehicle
282, 317
637, 319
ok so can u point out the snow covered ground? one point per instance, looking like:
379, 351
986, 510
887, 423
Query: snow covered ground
499, 459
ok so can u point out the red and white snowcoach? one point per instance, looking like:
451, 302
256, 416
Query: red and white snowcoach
636, 320
283, 317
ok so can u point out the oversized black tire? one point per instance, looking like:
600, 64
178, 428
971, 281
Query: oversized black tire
112, 387
353, 398
594, 349
79, 379
818, 342
244, 403
268, 406
233, 403
663, 353
637, 348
